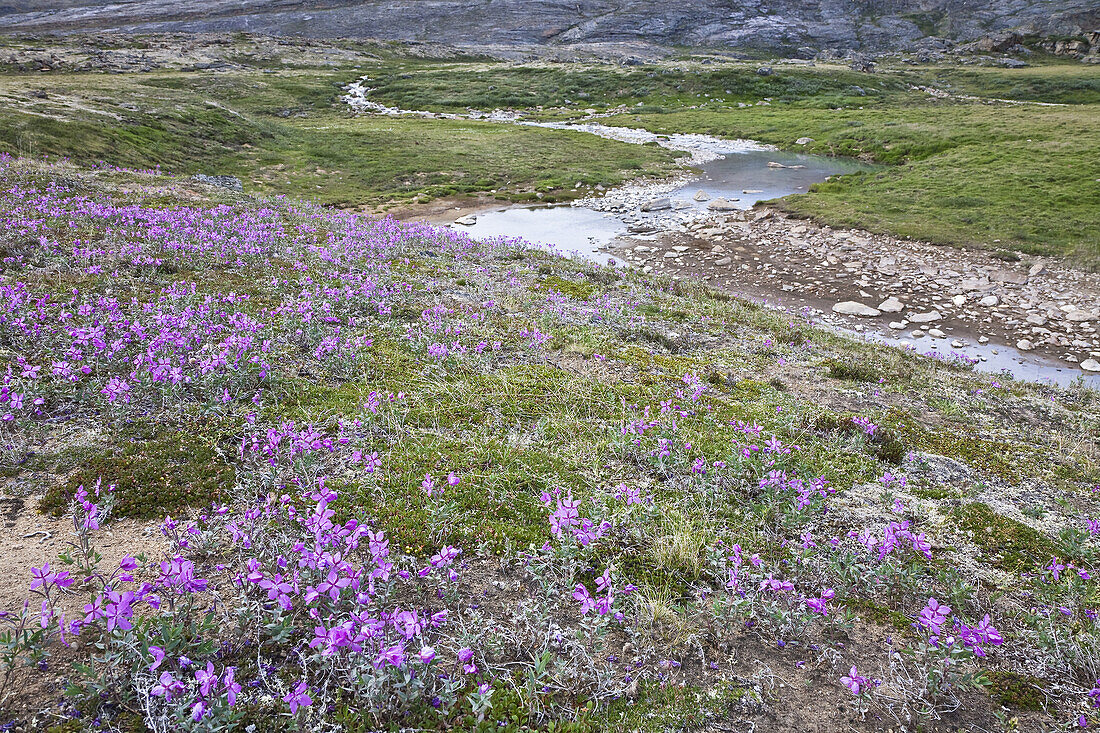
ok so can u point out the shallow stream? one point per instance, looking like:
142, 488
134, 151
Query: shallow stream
744, 174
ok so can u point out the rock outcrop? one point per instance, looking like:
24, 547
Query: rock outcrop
792, 27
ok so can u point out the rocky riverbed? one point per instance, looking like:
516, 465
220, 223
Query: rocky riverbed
910, 289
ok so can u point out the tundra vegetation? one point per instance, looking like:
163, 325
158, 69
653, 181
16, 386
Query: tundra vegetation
403, 479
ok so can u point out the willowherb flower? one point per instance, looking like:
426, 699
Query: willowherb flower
167, 687
933, 615
298, 697
854, 681
466, 657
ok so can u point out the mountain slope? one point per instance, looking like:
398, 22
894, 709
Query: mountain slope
775, 25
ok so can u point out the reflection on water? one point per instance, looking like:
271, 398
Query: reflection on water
732, 175
573, 229
565, 229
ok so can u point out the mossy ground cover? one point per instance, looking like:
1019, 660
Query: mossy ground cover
592, 357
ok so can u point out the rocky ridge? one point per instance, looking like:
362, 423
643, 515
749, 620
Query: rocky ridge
802, 28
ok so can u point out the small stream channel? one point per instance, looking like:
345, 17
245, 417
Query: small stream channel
743, 172
744, 175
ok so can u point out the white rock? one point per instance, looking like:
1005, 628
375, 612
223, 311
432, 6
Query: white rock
891, 305
925, 317
959, 300
722, 261
803, 141
917, 334
701, 196
936, 333
1024, 345
658, 204
989, 301
897, 325
1091, 365
983, 339
854, 308
722, 204
956, 344
467, 221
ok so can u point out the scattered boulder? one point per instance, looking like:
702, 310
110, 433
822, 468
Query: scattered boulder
231, 182
891, 305
658, 204
701, 196
1091, 365
855, 308
722, 204
989, 301
925, 317
862, 64
467, 221
1025, 345
803, 141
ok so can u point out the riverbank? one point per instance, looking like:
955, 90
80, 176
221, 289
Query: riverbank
1036, 317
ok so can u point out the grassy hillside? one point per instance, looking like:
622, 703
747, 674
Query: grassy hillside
286, 132
422, 481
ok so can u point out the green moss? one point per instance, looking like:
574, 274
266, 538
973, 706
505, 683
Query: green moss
657, 709
997, 458
1019, 691
576, 289
154, 476
1013, 546
869, 610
